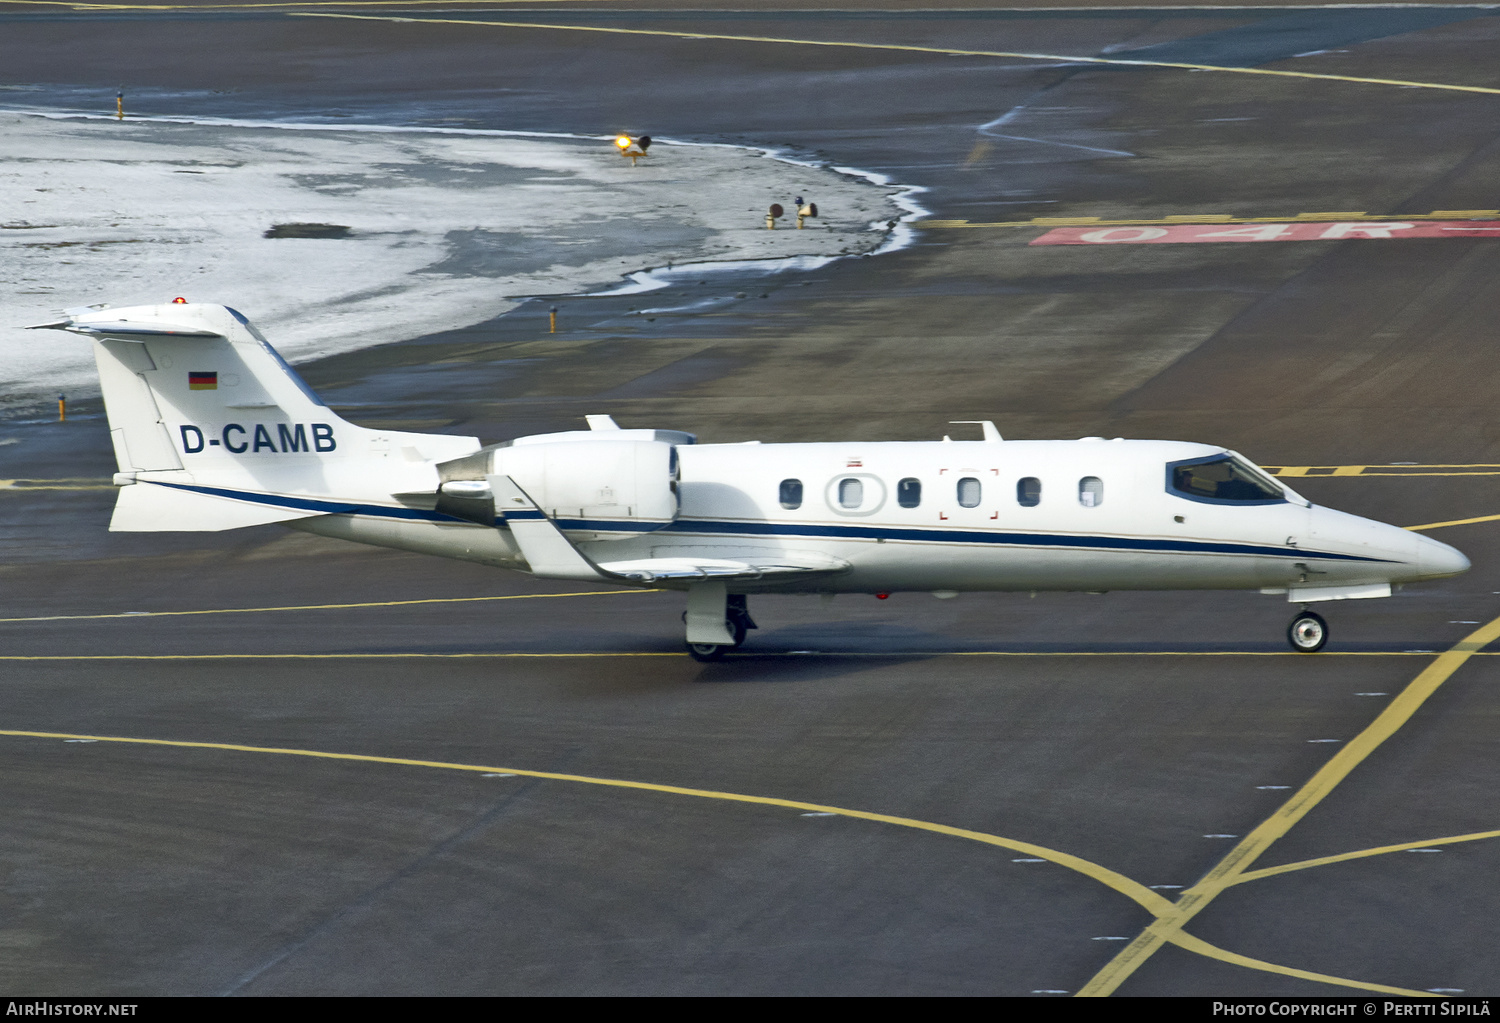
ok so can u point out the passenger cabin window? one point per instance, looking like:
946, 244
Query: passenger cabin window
968, 492
1029, 492
851, 493
791, 494
909, 492
1091, 491
1221, 478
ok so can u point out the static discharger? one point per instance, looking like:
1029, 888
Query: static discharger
633, 148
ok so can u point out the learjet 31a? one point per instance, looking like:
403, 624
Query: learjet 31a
213, 430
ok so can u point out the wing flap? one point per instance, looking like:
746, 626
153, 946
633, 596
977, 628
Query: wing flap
651, 569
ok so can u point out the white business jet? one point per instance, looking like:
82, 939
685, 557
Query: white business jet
213, 431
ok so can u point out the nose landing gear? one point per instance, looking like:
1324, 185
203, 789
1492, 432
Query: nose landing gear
1307, 633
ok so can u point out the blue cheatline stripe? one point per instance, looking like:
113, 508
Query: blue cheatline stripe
314, 505
715, 527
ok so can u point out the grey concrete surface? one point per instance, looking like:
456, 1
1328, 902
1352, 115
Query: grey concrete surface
1122, 728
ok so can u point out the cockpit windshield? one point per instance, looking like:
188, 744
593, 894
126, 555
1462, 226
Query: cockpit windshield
1221, 478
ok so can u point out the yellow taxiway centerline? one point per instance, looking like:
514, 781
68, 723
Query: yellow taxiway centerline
1454, 522
1323, 861
1154, 903
941, 50
323, 607
1232, 867
1206, 219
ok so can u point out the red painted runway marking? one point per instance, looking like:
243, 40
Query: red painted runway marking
1310, 231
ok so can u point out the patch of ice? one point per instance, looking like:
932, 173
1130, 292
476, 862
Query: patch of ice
448, 227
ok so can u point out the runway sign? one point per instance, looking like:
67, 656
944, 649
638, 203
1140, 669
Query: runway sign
1299, 232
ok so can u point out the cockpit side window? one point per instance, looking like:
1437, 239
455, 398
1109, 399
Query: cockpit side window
1221, 479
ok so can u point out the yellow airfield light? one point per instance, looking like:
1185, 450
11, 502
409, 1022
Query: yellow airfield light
624, 141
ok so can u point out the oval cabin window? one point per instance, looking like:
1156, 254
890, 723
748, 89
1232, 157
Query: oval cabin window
851, 493
909, 492
968, 492
1091, 491
1029, 492
791, 494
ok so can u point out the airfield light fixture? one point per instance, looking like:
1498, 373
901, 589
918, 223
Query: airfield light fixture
635, 148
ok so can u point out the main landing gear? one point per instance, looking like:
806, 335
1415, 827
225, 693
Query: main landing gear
716, 621
1307, 633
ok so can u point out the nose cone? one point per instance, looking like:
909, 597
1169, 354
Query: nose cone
1437, 560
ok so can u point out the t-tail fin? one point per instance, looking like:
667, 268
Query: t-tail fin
204, 409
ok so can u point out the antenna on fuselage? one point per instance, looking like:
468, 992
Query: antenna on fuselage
991, 434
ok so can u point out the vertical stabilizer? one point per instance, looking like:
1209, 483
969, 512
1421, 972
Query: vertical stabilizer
204, 410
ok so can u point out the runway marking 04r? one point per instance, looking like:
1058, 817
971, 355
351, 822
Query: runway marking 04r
1157, 905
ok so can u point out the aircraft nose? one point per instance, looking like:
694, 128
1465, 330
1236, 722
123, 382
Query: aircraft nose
1437, 560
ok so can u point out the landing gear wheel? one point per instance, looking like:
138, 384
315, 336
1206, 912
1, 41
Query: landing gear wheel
1307, 633
737, 629
706, 651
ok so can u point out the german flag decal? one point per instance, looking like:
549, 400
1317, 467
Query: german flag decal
203, 381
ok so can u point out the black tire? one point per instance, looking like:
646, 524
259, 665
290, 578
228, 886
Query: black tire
1307, 633
706, 651
737, 630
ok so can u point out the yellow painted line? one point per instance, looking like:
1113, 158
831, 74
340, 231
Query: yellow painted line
1322, 861
320, 607
1052, 57
1154, 903
52, 485
1329, 471
1228, 870
1454, 522
1191, 944
1119, 882
1204, 218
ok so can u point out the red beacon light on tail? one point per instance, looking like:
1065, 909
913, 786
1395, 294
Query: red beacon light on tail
179, 300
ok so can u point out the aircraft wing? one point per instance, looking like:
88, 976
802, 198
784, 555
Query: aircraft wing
649, 570
552, 555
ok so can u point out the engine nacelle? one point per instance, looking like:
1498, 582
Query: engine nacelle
596, 480
599, 476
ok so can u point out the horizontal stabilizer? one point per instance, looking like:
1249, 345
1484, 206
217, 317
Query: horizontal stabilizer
153, 508
125, 329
